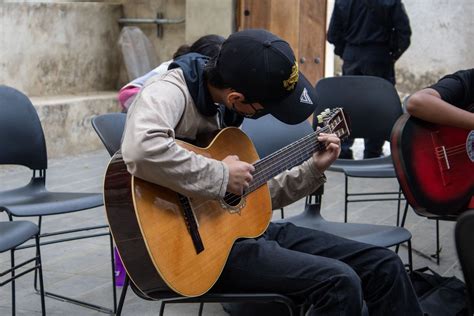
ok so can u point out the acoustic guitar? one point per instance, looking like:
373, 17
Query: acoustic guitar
168, 241
434, 165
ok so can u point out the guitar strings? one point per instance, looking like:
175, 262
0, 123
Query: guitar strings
455, 150
267, 170
288, 155
284, 154
451, 148
262, 172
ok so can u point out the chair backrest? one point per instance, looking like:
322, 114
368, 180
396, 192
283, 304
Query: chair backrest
371, 103
110, 129
464, 238
21, 135
269, 134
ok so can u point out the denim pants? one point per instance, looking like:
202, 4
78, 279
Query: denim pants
332, 274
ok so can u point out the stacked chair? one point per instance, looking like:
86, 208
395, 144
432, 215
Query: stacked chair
22, 143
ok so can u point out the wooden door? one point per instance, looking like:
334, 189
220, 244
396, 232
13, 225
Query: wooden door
302, 23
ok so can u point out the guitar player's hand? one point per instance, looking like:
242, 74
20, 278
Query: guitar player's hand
323, 159
240, 174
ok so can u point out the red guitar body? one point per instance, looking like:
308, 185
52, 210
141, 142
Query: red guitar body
434, 165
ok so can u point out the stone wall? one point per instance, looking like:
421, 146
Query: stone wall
209, 17
442, 42
59, 48
64, 55
173, 34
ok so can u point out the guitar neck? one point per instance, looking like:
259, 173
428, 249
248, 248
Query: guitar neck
284, 159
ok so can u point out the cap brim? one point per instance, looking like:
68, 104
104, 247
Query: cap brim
297, 106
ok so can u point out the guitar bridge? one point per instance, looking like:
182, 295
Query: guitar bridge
442, 158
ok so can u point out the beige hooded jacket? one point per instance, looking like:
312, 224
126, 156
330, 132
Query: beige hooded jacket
164, 111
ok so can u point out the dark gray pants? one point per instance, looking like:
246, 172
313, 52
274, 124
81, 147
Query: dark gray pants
332, 274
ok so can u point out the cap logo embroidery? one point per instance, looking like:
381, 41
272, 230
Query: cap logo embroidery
304, 98
289, 84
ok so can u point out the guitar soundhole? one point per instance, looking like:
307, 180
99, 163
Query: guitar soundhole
232, 199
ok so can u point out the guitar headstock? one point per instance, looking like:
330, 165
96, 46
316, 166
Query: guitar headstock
335, 120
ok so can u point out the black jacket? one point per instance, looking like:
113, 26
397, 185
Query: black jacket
370, 23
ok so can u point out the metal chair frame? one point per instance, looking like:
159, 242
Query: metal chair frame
37, 268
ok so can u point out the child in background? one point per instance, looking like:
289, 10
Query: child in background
207, 45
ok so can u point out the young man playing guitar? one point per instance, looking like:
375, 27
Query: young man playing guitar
256, 74
449, 102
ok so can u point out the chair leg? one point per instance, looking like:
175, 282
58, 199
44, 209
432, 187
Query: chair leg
201, 308
282, 213
162, 308
398, 205
404, 217
436, 255
112, 261
122, 295
410, 257
72, 300
12, 262
346, 195
39, 267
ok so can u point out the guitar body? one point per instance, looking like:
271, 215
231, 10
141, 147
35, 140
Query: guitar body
151, 233
434, 165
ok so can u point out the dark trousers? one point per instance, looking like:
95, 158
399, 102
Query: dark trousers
365, 61
332, 274
372, 148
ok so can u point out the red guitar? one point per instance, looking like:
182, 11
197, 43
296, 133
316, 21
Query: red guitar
434, 165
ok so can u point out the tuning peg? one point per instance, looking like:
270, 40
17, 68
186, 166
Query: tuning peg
327, 111
320, 118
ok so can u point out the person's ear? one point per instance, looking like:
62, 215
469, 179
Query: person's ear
234, 97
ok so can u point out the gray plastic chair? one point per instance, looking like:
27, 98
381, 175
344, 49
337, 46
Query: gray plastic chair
373, 106
22, 143
13, 234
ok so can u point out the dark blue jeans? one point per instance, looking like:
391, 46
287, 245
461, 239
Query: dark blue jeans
332, 274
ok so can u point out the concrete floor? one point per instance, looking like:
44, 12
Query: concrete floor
82, 268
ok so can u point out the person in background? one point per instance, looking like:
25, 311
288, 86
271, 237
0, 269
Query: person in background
256, 74
369, 36
207, 45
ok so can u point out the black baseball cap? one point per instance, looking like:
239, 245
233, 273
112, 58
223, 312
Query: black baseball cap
263, 67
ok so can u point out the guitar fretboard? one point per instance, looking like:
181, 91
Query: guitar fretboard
285, 158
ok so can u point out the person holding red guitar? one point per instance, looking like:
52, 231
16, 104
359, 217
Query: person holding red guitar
449, 102
255, 74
